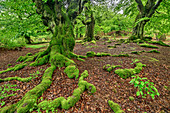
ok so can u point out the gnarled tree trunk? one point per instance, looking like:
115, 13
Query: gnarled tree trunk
144, 11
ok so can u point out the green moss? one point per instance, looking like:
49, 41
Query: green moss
102, 54
79, 41
153, 51
90, 54
131, 98
19, 66
93, 41
159, 42
41, 61
115, 107
16, 78
58, 59
120, 55
109, 67
147, 45
8, 69
85, 74
71, 100
81, 59
72, 71
125, 73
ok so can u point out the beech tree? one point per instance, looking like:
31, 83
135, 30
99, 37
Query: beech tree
146, 9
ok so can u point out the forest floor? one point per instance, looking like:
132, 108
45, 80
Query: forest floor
108, 84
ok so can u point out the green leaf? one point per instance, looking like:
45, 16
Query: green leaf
141, 92
144, 78
137, 93
142, 83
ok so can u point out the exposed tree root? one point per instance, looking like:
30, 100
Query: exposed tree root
125, 73
92, 54
30, 98
70, 101
16, 78
115, 107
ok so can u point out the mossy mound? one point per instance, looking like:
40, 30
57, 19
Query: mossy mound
125, 73
16, 78
153, 51
115, 107
71, 100
159, 43
148, 45
72, 71
109, 67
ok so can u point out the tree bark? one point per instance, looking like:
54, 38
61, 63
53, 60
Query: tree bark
90, 29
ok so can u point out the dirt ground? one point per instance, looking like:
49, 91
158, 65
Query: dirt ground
109, 85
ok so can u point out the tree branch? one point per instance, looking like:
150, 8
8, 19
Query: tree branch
140, 5
154, 8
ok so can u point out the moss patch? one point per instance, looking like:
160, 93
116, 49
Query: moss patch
90, 54
115, 107
125, 73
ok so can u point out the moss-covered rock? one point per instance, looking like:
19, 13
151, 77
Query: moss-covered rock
148, 45
125, 73
115, 107
72, 71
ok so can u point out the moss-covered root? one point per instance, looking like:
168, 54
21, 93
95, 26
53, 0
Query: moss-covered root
41, 61
16, 78
92, 54
148, 46
15, 68
121, 55
125, 73
159, 42
30, 98
109, 67
72, 71
153, 51
115, 107
70, 101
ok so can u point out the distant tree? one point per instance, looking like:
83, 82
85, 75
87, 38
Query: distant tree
19, 19
146, 10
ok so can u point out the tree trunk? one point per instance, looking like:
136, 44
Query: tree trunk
144, 11
90, 29
28, 39
138, 31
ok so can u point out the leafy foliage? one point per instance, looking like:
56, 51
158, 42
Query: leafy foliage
144, 87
